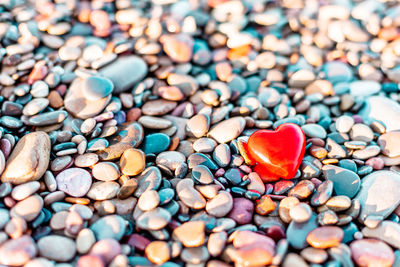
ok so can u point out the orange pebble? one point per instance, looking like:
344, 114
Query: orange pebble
238, 52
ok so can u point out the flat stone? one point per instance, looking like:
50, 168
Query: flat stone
189, 195
179, 47
158, 252
300, 213
382, 109
314, 130
156, 123
75, 182
155, 219
125, 72
25, 190
132, 162
371, 252
29, 159
110, 226
107, 249
220, 205
190, 234
242, 211
155, 143
148, 200
28, 209
344, 123
103, 190
201, 174
198, 125
227, 130
325, 237
379, 194
35, 106
364, 88
58, 248
345, 182
106, 171
222, 155
390, 143
85, 240
78, 105
158, 107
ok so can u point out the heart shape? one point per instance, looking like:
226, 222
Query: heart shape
276, 154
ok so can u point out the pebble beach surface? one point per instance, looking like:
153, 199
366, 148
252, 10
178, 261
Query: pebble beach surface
123, 125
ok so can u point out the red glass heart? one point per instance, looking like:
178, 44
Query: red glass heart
276, 154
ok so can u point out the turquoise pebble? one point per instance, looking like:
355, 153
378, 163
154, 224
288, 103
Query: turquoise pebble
155, 143
348, 164
139, 261
297, 232
166, 195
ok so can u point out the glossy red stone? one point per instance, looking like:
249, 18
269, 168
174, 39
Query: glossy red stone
277, 154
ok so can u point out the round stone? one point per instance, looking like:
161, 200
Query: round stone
107, 249
56, 247
344, 123
75, 182
103, 190
23, 191
242, 211
220, 205
96, 87
227, 130
190, 234
132, 162
314, 255
148, 200
201, 174
300, 213
106, 171
158, 252
198, 125
325, 237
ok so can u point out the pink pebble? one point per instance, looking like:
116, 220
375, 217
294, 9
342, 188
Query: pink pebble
5, 147
376, 163
220, 172
357, 119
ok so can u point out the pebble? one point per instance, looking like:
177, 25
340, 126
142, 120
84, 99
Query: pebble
285, 206
300, 213
198, 125
344, 124
103, 190
28, 209
23, 191
379, 194
297, 233
190, 234
75, 182
125, 72
242, 211
189, 195
79, 105
201, 174
158, 252
314, 255
369, 252
28, 160
149, 179
155, 143
148, 200
154, 219
171, 159
106, 171
219, 131
345, 182
58, 248
382, 109
325, 237
220, 205
389, 145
